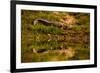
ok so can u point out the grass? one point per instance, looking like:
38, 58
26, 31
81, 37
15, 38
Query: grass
40, 28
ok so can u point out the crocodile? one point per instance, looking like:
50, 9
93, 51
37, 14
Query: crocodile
49, 23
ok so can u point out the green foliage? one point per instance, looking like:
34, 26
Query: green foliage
40, 28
